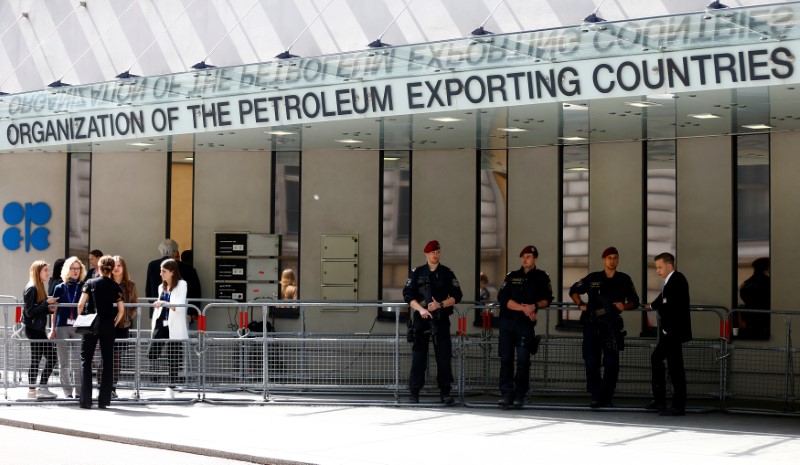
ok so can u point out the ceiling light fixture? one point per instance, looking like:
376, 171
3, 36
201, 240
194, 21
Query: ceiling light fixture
757, 126
279, 133
512, 129
573, 138
348, 141
446, 119
664, 96
704, 116
643, 104
140, 144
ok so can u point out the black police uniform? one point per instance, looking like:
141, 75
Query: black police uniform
517, 330
424, 285
602, 329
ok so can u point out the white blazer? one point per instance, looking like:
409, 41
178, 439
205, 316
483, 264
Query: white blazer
178, 329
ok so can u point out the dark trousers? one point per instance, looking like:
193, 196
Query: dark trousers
516, 337
40, 347
119, 349
88, 345
174, 359
668, 349
596, 352
443, 349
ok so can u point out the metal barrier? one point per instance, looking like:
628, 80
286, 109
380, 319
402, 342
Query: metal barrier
279, 366
293, 362
131, 353
767, 372
558, 369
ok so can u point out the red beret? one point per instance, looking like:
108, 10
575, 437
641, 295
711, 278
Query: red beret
529, 249
431, 246
610, 251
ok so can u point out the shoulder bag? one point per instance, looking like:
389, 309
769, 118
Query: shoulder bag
86, 323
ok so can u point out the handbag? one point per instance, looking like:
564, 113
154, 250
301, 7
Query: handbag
86, 323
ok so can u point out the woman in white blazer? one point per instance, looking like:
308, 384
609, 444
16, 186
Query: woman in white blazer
171, 291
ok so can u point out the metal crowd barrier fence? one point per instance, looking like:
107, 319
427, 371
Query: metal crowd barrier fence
300, 362
279, 366
558, 369
767, 372
8, 328
129, 357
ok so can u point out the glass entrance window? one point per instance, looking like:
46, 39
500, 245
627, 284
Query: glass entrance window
752, 233
661, 218
575, 232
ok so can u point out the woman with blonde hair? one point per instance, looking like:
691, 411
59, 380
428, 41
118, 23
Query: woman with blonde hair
68, 292
129, 296
38, 308
289, 290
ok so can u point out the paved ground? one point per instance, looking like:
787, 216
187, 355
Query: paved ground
291, 432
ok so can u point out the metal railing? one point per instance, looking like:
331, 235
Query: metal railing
263, 366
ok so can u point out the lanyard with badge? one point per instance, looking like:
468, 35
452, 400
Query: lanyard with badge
164, 309
73, 298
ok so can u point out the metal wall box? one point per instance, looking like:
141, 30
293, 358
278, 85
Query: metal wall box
340, 247
263, 245
231, 244
262, 269
343, 293
231, 269
339, 273
230, 291
262, 291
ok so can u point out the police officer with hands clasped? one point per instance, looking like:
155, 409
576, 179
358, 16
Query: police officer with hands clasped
523, 293
431, 290
610, 293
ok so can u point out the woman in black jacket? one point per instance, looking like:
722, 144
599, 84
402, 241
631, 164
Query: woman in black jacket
37, 311
106, 295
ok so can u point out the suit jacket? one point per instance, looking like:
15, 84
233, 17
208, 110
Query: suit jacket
188, 274
674, 314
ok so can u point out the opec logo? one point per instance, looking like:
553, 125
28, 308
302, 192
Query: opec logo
25, 221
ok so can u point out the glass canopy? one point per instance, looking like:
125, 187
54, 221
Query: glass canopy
648, 36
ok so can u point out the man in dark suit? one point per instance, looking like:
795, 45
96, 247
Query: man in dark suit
675, 328
169, 249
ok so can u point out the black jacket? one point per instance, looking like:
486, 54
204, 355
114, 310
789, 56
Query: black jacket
524, 288
674, 314
36, 313
423, 284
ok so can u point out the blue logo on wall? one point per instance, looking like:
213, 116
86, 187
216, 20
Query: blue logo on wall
36, 214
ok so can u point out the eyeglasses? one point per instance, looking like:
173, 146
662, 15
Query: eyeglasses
75, 268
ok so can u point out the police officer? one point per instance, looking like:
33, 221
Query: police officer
523, 293
610, 292
431, 290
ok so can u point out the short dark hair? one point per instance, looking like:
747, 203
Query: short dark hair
666, 257
760, 265
96, 252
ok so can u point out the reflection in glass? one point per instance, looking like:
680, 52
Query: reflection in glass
661, 216
752, 226
181, 198
575, 221
80, 191
396, 223
493, 195
286, 221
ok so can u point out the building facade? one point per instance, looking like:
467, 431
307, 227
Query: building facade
663, 133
